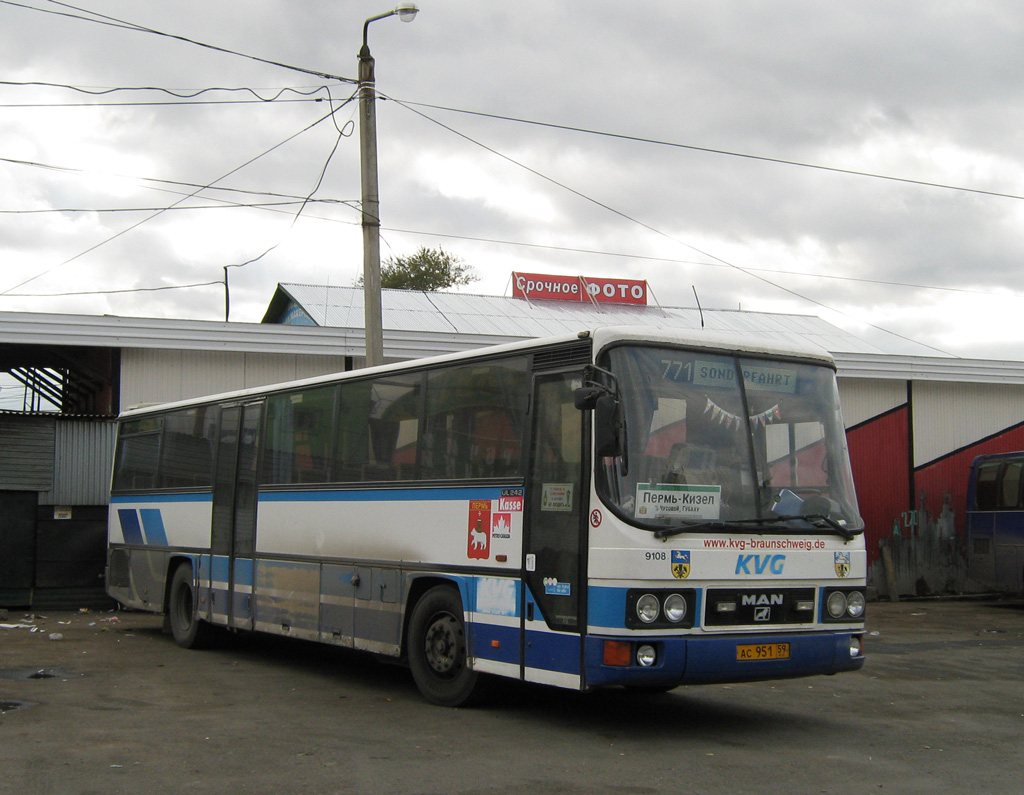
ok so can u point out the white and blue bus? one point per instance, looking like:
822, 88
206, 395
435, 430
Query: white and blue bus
619, 507
995, 521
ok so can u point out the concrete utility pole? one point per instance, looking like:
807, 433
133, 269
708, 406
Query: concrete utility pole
370, 198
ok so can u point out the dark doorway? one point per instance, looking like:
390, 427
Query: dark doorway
17, 547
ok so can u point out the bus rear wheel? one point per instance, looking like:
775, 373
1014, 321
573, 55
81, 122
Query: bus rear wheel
437, 650
189, 631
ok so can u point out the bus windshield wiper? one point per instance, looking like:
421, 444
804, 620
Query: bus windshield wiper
820, 521
816, 520
715, 524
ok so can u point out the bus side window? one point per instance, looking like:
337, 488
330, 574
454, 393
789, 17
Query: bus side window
137, 459
986, 490
1009, 496
474, 420
378, 430
298, 436
186, 455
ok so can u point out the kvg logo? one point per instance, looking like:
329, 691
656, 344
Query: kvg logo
759, 564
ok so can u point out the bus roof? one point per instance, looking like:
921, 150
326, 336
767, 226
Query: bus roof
725, 342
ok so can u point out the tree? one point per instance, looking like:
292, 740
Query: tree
428, 269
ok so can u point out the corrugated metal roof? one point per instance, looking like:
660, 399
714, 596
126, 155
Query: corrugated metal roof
515, 318
55, 415
30, 328
930, 368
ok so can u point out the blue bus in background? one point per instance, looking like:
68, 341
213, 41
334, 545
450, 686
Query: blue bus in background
995, 521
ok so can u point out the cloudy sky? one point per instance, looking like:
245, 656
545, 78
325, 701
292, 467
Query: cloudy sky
698, 145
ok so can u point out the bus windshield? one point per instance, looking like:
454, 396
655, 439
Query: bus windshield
726, 442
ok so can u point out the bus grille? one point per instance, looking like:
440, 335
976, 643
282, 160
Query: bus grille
741, 607
571, 355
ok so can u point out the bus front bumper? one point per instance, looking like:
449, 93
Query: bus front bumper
702, 659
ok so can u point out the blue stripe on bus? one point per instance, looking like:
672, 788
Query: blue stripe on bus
606, 607
389, 495
243, 571
130, 527
153, 526
495, 642
176, 497
553, 651
219, 568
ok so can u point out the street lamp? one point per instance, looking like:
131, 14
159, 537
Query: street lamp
370, 198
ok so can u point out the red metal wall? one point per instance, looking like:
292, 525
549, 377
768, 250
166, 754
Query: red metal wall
948, 475
880, 457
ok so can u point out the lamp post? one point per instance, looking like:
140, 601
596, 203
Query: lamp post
370, 198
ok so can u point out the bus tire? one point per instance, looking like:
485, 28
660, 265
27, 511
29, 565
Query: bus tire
189, 631
437, 650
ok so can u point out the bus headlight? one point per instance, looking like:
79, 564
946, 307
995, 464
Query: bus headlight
646, 656
675, 608
661, 608
647, 608
844, 605
855, 603
836, 604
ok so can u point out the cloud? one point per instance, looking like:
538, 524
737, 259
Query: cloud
922, 90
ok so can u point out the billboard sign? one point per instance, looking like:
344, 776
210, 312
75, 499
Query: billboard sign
545, 287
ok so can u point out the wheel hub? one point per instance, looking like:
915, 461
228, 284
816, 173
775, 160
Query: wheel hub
442, 641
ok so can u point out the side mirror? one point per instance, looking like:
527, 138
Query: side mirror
607, 427
586, 396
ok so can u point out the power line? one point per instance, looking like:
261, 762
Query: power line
305, 201
115, 22
291, 200
97, 91
185, 198
657, 231
182, 103
709, 150
676, 261
103, 19
223, 205
112, 292
183, 98
158, 180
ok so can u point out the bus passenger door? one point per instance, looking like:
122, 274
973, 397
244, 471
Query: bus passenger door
233, 539
556, 498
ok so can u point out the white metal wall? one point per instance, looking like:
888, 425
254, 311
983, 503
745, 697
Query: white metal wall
949, 415
864, 398
160, 376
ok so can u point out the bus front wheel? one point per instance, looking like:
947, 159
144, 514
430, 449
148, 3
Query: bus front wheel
189, 631
437, 650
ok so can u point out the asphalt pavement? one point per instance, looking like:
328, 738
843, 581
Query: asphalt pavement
94, 702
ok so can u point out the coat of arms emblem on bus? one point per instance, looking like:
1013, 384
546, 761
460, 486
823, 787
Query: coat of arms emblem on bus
680, 564
479, 529
842, 564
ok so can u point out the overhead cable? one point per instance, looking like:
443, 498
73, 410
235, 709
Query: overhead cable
103, 19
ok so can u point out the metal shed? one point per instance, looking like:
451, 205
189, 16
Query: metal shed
54, 481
